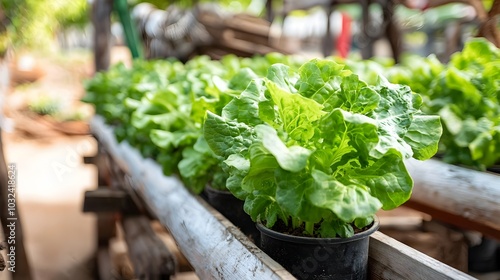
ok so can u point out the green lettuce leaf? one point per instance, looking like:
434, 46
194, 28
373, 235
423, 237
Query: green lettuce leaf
346, 201
292, 158
227, 137
297, 113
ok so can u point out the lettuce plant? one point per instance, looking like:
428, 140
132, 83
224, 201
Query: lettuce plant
320, 149
465, 93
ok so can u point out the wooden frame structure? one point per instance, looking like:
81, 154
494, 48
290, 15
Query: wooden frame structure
216, 248
462, 197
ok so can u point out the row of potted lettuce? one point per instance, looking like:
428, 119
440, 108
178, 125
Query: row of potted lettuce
310, 148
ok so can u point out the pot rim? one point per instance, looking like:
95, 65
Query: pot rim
208, 187
317, 240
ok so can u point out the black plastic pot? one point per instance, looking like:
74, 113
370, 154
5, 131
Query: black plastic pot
485, 257
232, 208
319, 258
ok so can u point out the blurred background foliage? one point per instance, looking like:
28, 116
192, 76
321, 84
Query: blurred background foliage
233, 5
33, 23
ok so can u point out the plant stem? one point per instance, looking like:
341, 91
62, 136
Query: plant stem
296, 222
310, 228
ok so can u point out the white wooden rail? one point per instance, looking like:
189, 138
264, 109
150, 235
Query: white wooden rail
391, 259
218, 250
466, 198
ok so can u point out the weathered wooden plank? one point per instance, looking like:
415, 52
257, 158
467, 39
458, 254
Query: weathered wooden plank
247, 26
435, 240
391, 259
231, 42
463, 197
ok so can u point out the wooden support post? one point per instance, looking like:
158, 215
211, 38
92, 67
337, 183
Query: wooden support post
366, 40
106, 222
327, 44
149, 255
106, 228
102, 164
269, 10
101, 19
391, 29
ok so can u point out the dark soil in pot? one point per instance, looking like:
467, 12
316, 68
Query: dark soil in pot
319, 258
232, 208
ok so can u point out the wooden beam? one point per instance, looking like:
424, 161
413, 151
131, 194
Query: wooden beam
104, 200
390, 259
90, 160
456, 195
246, 25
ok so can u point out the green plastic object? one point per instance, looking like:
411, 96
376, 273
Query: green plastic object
131, 37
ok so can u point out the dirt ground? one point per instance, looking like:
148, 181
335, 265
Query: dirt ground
59, 238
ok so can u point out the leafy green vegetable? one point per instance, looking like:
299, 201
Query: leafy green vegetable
465, 93
308, 144
316, 145
159, 107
